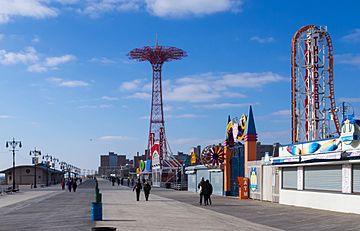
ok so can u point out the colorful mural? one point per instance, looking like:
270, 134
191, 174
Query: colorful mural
345, 145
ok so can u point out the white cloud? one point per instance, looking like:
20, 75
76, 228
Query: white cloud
51, 63
234, 95
262, 39
29, 55
201, 88
250, 79
115, 138
187, 116
349, 100
185, 8
95, 8
226, 105
73, 83
102, 60
25, 8
140, 95
35, 39
5, 117
351, 59
109, 98
37, 68
68, 83
284, 112
56, 60
101, 106
352, 37
131, 85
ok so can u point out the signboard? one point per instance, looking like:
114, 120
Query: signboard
155, 155
142, 165
253, 179
193, 158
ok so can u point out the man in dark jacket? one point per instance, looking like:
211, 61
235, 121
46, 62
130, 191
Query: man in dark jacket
208, 192
137, 188
147, 189
202, 189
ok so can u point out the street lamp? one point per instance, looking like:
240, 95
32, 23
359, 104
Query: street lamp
35, 153
13, 145
47, 157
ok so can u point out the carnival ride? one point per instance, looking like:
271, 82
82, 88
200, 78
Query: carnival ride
312, 83
157, 56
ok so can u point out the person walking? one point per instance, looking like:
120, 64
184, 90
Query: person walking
147, 189
137, 188
74, 185
202, 189
70, 184
113, 181
207, 193
62, 184
118, 180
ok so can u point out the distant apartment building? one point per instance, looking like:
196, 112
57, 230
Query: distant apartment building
111, 164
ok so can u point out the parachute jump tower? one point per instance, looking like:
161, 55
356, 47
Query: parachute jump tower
312, 83
157, 56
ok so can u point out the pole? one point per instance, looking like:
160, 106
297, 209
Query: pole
35, 153
13, 145
34, 172
13, 152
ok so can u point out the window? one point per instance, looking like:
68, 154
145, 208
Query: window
327, 178
356, 177
289, 178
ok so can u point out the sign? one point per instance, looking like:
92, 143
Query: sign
142, 165
155, 156
253, 179
193, 158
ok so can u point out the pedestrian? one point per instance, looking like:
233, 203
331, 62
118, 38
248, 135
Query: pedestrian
118, 181
132, 181
70, 184
208, 192
74, 185
147, 189
113, 181
202, 189
62, 184
80, 180
137, 188
128, 181
122, 181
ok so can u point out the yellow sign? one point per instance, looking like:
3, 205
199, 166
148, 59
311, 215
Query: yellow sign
193, 158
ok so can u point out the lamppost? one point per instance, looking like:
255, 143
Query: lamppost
13, 145
47, 157
35, 153
54, 166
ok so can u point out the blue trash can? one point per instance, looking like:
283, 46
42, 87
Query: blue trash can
96, 211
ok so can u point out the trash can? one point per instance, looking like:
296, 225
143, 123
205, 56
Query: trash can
96, 211
98, 197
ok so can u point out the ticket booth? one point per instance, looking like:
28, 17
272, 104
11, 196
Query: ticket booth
243, 183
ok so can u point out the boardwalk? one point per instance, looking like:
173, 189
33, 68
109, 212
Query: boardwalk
54, 209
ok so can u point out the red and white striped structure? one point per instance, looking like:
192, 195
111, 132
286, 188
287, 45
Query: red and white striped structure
314, 114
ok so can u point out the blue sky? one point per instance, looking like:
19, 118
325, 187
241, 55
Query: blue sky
69, 89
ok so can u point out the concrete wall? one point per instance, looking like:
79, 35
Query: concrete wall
344, 201
320, 200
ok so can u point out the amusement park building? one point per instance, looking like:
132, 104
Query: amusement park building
312, 174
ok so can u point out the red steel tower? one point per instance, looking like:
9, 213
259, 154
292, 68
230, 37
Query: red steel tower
157, 56
312, 83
